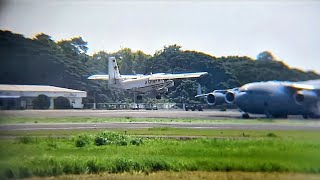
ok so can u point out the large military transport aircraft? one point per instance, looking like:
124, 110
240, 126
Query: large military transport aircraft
275, 99
158, 83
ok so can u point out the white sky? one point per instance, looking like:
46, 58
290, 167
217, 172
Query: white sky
289, 29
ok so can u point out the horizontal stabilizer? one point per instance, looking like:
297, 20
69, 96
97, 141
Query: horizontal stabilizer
199, 93
99, 77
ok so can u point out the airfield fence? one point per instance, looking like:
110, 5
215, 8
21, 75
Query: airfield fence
116, 106
155, 106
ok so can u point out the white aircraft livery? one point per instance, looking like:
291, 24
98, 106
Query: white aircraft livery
159, 82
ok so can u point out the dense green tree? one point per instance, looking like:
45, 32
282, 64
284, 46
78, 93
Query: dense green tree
66, 64
265, 56
99, 62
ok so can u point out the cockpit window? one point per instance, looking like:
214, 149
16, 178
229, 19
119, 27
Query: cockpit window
243, 88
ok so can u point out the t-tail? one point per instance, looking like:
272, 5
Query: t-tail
113, 70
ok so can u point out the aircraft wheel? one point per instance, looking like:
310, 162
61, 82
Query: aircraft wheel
305, 116
158, 97
268, 115
245, 116
285, 116
314, 116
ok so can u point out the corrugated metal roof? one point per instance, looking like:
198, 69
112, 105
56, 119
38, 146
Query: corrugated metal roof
36, 88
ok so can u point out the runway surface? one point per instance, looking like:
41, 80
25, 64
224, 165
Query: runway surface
206, 114
141, 125
211, 114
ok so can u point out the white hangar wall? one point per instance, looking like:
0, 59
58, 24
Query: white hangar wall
22, 95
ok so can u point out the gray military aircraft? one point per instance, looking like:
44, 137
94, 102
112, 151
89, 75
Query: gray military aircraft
275, 99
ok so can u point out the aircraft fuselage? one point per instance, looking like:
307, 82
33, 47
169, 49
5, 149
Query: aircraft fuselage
143, 85
270, 98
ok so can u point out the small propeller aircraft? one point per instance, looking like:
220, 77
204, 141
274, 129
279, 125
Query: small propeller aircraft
141, 84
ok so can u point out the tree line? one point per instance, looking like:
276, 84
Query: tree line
66, 63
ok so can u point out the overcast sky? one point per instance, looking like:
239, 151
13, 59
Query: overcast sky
289, 29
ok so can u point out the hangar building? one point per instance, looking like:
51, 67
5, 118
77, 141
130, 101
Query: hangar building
21, 96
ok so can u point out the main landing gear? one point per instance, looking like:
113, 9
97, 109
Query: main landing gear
245, 116
139, 97
158, 96
310, 115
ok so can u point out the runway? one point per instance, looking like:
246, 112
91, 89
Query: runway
141, 125
212, 114
206, 114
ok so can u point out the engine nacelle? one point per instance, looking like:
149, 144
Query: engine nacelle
303, 97
215, 98
230, 97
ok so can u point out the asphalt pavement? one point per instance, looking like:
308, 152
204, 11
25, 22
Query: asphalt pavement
206, 114
212, 114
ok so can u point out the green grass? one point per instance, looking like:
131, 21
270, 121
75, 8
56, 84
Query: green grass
191, 175
210, 133
280, 152
15, 120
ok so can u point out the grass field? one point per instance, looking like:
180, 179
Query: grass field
312, 135
258, 151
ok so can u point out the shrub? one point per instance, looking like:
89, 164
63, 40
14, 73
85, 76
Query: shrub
157, 165
8, 173
106, 138
122, 142
41, 102
271, 135
62, 103
109, 137
136, 142
25, 140
99, 141
24, 172
92, 167
113, 137
122, 165
82, 140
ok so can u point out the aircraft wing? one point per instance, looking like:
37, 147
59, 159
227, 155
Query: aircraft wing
106, 77
176, 76
314, 83
300, 86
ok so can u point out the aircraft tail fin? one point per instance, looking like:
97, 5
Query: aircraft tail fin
113, 70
